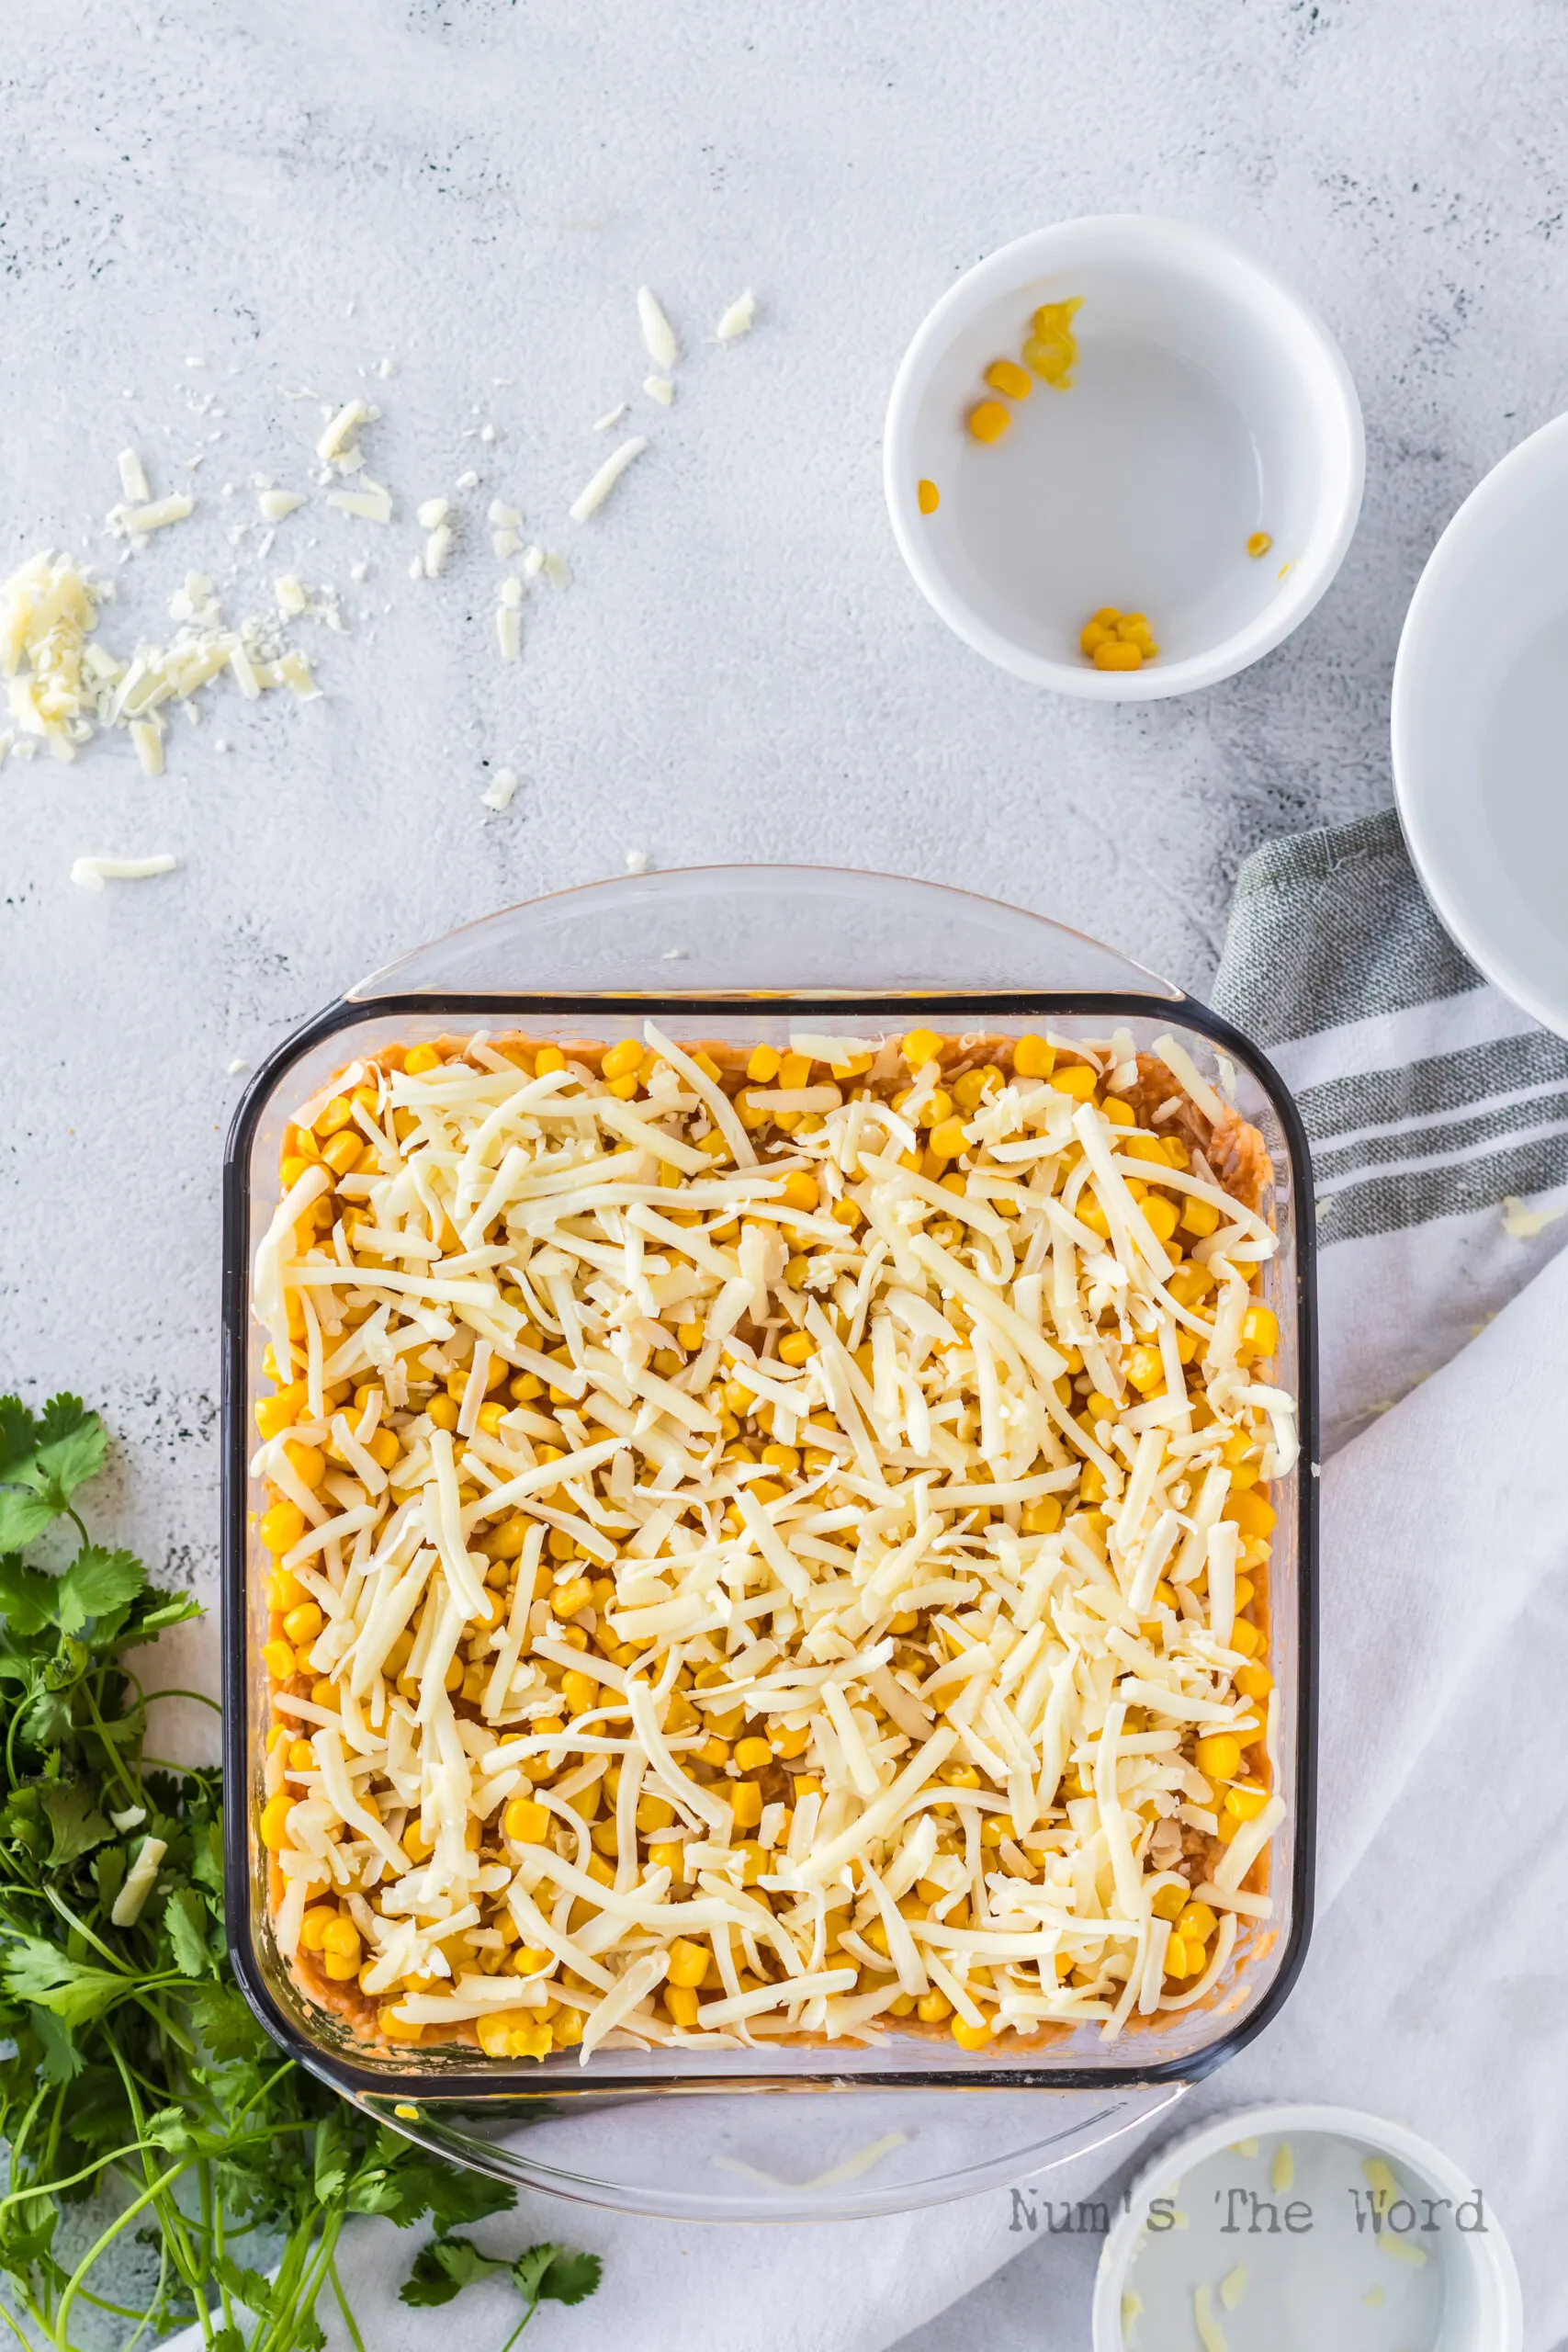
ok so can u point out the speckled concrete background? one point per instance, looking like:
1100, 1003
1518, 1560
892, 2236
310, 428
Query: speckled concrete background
741, 669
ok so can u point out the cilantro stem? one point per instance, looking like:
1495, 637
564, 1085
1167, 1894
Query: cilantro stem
342, 2303
14, 2326
111, 1747
202, 1697
57, 1902
55, 2188
520, 2325
150, 2195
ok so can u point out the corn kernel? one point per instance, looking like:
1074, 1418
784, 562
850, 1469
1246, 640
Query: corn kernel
278, 1659
949, 1139
391, 2025
1169, 1902
548, 1058
971, 2037
764, 1065
800, 1191
275, 1821
688, 1962
303, 1624
1199, 1218
1250, 1512
580, 1692
934, 2008
1115, 653
1007, 377
524, 1820
1042, 1518
1176, 1961
1258, 543
797, 1348
622, 1060
919, 1046
1260, 1330
1144, 1367
1196, 1924
276, 1414
1078, 1079
682, 2002
746, 1797
669, 1855
1218, 1756
988, 420
928, 498
1159, 1215
1033, 1057
281, 1527
1245, 1800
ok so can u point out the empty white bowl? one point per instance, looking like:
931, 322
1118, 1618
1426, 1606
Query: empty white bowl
1208, 404
1481, 726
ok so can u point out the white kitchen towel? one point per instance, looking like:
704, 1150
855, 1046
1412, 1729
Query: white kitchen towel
1433, 1991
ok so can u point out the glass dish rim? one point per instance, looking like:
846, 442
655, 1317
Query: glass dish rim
454, 2087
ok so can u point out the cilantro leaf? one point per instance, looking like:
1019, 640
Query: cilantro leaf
568, 2278
251, 2287
224, 2024
19, 1434
71, 1449
547, 2273
33, 1969
185, 1919
61, 2059
26, 1596
23, 1518
97, 1582
76, 1824
442, 2270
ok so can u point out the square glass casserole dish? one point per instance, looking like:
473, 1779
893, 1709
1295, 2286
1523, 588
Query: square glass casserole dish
746, 955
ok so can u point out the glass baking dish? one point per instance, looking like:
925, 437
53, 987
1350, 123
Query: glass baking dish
734, 953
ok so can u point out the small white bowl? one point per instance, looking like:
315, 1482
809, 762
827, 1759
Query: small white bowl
1481, 726
1208, 404
1311, 2275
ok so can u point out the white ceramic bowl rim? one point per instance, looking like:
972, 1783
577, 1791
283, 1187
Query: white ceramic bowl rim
1459, 544
1496, 2277
1290, 317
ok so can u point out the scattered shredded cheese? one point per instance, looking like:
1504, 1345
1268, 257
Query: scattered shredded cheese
92, 873
658, 335
739, 319
598, 488
498, 794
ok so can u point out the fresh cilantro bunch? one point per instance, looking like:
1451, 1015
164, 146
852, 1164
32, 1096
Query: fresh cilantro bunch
139, 2078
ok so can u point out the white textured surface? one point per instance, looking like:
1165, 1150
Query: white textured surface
741, 670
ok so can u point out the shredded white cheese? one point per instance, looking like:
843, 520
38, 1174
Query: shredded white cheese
761, 1565
92, 873
739, 319
593, 493
658, 335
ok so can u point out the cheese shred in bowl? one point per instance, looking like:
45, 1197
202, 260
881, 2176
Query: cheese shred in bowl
767, 1545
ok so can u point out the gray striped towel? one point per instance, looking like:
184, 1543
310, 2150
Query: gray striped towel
1436, 1111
